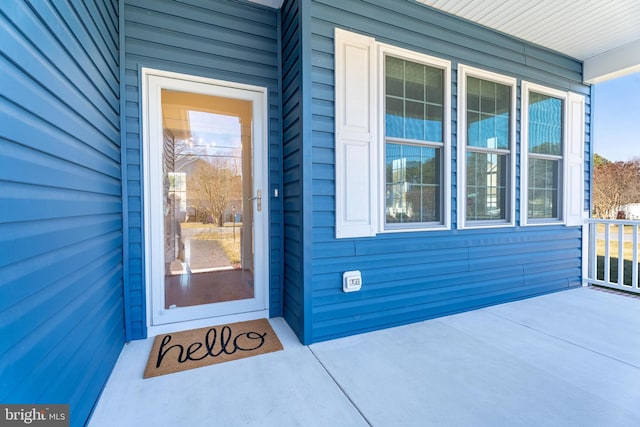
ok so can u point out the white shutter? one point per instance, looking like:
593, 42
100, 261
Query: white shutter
574, 183
355, 134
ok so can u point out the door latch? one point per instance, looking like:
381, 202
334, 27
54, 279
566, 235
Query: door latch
259, 200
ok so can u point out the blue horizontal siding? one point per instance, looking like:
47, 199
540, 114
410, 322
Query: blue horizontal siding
225, 40
408, 313
61, 271
412, 276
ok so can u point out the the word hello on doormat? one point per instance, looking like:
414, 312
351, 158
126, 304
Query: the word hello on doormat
205, 346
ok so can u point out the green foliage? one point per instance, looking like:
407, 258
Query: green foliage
598, 160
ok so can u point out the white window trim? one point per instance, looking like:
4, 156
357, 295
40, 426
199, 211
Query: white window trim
463, 72
431, 61
524, 153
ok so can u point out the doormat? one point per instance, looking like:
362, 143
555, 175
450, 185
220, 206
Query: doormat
206, 346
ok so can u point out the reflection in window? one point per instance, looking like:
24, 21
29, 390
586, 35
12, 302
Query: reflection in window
414, 126
545, 132
412, 184
488, 118
178, 189
543, 190
486, 186
207, 179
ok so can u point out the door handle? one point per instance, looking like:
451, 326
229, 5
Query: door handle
259, 199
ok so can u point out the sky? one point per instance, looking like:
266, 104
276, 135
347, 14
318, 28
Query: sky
616, 118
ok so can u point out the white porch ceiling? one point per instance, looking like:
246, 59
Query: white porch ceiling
604, 34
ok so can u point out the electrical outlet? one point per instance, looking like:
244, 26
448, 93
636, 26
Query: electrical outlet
351, 281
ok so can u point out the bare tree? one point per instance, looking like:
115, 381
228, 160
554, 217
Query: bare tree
209, 187
614, 184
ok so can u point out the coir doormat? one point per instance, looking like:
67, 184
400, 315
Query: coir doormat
205, 346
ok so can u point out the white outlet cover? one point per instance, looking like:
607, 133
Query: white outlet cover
351, 281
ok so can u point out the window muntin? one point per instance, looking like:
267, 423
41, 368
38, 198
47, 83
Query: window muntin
414, 126
545, 132
488, 157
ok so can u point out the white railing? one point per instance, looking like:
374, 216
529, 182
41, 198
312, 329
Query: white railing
613, 254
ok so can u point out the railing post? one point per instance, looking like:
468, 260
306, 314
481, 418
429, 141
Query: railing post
620, 254
607, 259
593, 259
586, 252
634, 265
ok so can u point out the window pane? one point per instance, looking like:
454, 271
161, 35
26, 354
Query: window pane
488, 96
205, 188
414, 100
435, 84
413, 192
502, 131
414, 81
544, 179
415, 120
545, 124
473, 129
394, 73
473, 94
488, 138
435, 118
395, 118
488, 114
486, 186
503, 98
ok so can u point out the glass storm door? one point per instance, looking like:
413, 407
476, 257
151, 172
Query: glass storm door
205, 212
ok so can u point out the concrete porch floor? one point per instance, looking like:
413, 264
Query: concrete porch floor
565, 359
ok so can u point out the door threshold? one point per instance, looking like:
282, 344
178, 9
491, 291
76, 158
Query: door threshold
153, 330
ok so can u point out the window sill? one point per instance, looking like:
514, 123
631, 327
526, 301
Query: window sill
537, 223
414, 229
486, 224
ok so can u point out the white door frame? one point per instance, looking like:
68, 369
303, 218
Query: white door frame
159, 319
